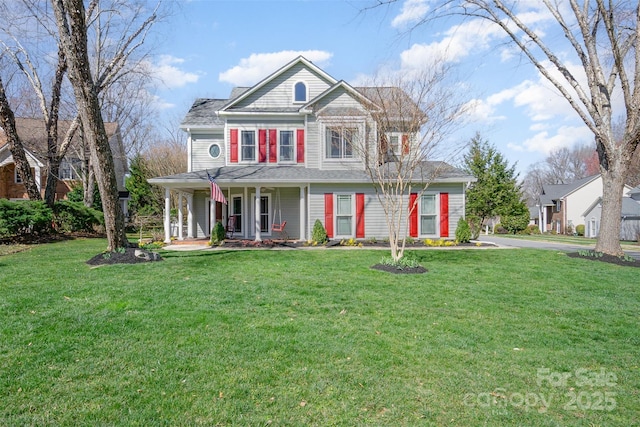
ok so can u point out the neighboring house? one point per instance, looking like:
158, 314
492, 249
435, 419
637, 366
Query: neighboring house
562, 206
629, 219
283, 150
34, 138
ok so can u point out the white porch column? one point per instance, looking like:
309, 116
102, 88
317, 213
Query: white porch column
190, 216
303, 213
212, 215
544, 219
167, 216
180, 216
257, 216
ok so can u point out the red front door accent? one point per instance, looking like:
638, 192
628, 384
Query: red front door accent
444, 214
328, 214
273, 145
262, 145
413, 216
300, 145
233, 146
359, 215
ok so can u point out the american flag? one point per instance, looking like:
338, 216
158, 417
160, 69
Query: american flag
216, 192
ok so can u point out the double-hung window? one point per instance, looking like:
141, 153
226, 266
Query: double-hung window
344, 215
339, 143
428, 214
286, 146
69, 169
248, 145
17, 177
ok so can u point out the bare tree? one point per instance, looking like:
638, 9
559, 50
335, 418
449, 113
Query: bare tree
8, 123
604, 38
70, 18
405, 119
116, 29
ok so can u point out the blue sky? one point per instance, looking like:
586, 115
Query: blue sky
210, 46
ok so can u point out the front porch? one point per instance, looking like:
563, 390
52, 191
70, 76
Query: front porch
251, 213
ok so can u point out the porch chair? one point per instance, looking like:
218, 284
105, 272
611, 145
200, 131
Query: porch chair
231, 226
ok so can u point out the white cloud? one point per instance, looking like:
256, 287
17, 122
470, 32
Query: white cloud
411, 13
258, 65
166, 70
545, 142
481, 111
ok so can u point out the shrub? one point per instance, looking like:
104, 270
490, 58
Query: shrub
514, 223
580, 229
475, 226
218, 234
531, 229
24, 217
75, 216
463, 231
319, 234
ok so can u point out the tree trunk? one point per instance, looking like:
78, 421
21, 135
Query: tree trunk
8, 123
70, 18
612, 191
52, 179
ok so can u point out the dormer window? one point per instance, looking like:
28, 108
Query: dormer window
300, 92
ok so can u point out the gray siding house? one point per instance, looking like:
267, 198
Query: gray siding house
280, 152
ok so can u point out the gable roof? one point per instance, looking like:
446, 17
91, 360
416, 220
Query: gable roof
33, 134
552, 192
338, 85
630, 207
299, 60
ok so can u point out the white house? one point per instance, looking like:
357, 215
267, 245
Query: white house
284, 150
562, 206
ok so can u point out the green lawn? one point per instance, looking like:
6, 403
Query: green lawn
314, 337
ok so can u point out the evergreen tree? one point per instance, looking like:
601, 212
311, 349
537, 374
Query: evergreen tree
141, 197
496, 191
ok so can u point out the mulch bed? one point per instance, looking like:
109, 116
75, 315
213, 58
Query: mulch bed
606, 258
127, 256
395, 270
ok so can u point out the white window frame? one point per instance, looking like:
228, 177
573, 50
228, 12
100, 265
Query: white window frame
74, 175
306, 92
342, 131
398, 148
219, 148
436, 215
336, 214
239, 225
251, 228
293, 146
242, 145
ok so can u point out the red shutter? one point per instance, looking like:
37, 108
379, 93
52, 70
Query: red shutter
444, 214
300, 145
273, 145
405, 143
328, 214
413, 216
262, 145
359, 215
233, 145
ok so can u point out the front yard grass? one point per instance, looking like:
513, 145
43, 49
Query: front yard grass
315, 337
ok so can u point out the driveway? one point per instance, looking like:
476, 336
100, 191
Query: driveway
535, 244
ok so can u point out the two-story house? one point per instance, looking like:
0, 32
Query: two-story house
33, 135
290, 149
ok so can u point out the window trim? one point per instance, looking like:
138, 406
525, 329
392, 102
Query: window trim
292, 146
352, 197
216, 144
355, 129
242, 146
238, 225
294, 92
436, 215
